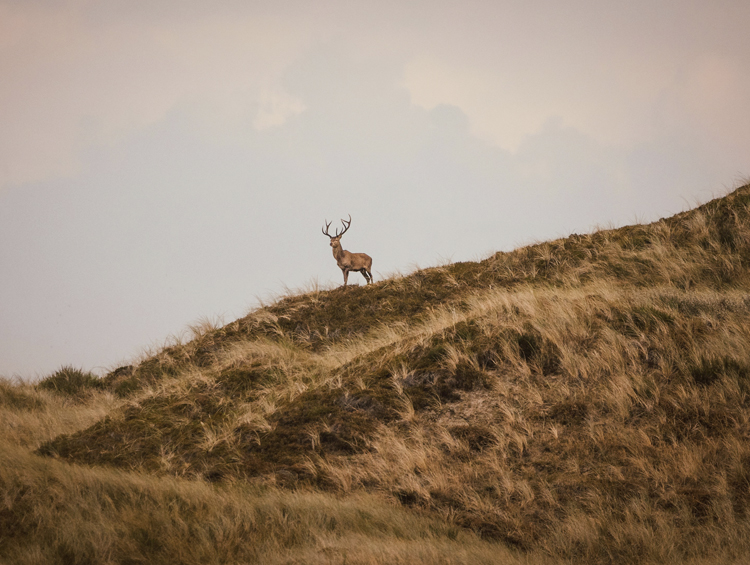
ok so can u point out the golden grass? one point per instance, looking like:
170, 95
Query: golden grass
52, 512
585, 400
607, 426
29, 416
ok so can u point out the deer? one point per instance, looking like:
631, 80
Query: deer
347, 261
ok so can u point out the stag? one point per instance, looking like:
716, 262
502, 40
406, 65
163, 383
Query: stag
346, 260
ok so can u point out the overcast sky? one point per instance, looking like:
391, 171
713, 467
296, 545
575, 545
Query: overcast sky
163, 162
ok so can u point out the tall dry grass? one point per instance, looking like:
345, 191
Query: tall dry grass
29, 416
605, 424
583, 400
55, 512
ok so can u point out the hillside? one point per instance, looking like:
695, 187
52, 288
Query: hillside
583, 400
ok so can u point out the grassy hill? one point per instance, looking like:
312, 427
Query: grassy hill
584, 400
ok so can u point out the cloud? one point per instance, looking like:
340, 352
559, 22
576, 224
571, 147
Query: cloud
161, 167
276, 107
76, 75
81, 73
707, 102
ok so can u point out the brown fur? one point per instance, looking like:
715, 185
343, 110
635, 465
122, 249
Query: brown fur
346, 260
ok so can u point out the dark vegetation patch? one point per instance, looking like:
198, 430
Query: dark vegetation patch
170, 431
708, 370
244, 383
540, 353
738, 481
477, 437
165, 427
71, 381
323, 421
430, 376
128, 379
466, 376
569, 412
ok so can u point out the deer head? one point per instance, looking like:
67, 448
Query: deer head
336, 239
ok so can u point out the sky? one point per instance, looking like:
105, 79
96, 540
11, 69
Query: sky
166, 163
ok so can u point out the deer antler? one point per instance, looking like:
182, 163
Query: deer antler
325, 231
346, 226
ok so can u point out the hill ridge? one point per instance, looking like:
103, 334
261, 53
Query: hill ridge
319, 319
587, 396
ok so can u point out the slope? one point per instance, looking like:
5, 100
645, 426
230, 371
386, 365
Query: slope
586, 397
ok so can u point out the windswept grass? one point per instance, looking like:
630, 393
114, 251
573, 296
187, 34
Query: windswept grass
585, 400
31, 415
57, 513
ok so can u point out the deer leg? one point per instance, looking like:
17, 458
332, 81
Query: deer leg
367, 276
346, 275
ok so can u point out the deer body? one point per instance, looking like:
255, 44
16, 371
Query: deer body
346, 260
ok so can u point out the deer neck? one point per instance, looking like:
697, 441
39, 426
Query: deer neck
338, 253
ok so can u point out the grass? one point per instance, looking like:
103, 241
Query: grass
583, 400
58, 513
71, 381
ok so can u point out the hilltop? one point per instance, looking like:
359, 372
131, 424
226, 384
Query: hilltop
581, 400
